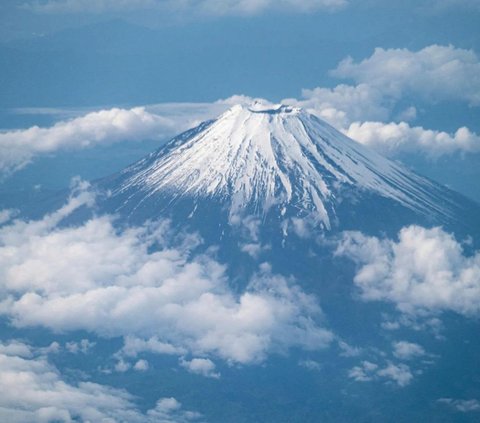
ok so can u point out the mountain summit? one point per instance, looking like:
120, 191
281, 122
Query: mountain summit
262, 159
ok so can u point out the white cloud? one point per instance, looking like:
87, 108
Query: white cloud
398, 373
254, 249
394, 138
425, 271
33, 390
170, 301
201, 366
6, 215
133, 346
169, 410
405, 350
363, 111
465, 406
18, 147
359, 111
141, 365
344, 104
209, 7
436, 73
16, 348
363, 373
122, 366
104, 127
368, 371
433, 74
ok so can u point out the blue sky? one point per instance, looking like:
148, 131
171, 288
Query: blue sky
61, 59
89, 86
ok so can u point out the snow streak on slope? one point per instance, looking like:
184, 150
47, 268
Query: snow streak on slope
258, 156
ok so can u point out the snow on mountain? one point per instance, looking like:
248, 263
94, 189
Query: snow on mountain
260, 156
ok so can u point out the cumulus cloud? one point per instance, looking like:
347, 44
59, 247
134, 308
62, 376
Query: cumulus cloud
141, 365
132, 346
172, 301
436, 73
33, 390
209, 7
6, 215
361, 113
393, 138
398, 373
368, 371
405, 350
345, 104
424, 272
367, 112
169, 410
16, 348
201, 366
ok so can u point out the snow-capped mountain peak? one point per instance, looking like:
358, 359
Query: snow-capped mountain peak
258, 156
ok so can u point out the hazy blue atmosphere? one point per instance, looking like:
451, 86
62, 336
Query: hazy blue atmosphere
129, 302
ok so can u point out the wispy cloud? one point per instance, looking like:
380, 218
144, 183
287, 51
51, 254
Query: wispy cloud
208, 7
34, 390
390, 372
462, 405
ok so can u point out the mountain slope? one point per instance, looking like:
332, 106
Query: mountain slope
274, 160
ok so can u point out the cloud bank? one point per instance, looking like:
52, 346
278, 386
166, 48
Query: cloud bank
172, 301
391, 139
363, 111
104, 127
435, 73
424, 272
366, 112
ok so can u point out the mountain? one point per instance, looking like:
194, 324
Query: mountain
278, 163
271, 190
286, 280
